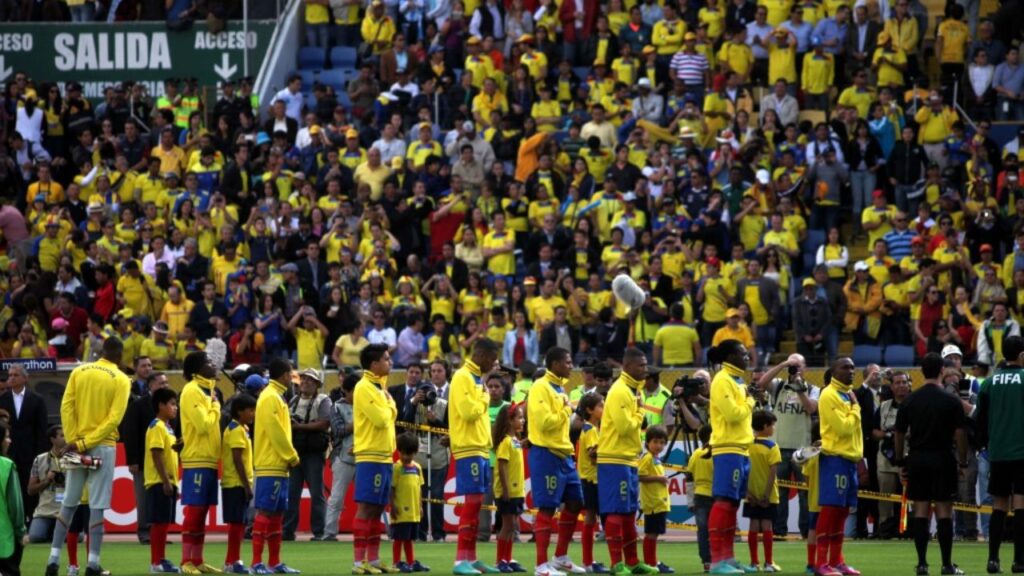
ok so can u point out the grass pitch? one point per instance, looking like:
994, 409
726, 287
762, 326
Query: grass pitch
335, 558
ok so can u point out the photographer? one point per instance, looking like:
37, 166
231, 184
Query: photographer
888, 472
311, 421
795, 403
688, 407
427, 407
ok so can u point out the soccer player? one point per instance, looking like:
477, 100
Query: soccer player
94, 402
552, 467
1001, 424
200, 457
731, 437
934, 419
374, 414
618, 459
236, 482
842, 446
161, 478
273, 455
471, 440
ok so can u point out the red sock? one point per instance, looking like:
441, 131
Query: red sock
588, 543
199, 540
836, 544
157, 543
396, 551
613, 535
373, 542
189, 532
752, 544
469, 520
651, 551
769, 541
72, 542
629, 540
542, 535
715, 521
566, 527
235, 534
261, 525
824, 534
811, 550
410, 556
499, 551
729, 534
274, 540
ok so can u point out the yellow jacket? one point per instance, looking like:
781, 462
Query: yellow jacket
468, 422
619, 439
94, 402
200, 424
273, 453
548, 415
868, 304
374, 415
934, 129
904, 34
731, 410
839, 412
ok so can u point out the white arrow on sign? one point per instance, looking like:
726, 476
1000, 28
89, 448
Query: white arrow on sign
4, 70
225, 69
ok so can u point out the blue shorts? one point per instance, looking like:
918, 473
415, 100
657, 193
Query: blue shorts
373, 483
553, 479
199, 487
730, 476
618, 489
235, 505
837, 482
472, 475
271, 493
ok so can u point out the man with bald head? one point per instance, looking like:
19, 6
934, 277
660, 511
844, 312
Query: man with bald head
794, 402
28, 427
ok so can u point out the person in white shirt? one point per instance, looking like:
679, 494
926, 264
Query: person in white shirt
157, 255
389, 145
381, 333
648, 105
291, 95
304, 138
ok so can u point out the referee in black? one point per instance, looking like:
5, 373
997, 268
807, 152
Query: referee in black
933, 418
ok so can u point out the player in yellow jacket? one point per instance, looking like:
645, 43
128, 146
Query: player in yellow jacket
273, 455
374, 416
200, 431
94, 402
618, 459
553, 474
470, 429
731, 437
842, 447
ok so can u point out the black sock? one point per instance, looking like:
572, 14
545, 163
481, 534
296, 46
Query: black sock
922, 533
945, 533
1018, 536
995, 534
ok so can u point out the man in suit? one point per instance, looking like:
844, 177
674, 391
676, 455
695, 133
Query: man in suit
312, 272
560, 333
552, 234
545, 266
281, 122
407, 396
861, 40
450, 266
869, 398
191, 270
28, 428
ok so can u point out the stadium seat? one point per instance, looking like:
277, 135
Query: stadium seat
812, 116
343, 57
899, 356
334, 78
312, 58
865, 354
308, 77
344, 99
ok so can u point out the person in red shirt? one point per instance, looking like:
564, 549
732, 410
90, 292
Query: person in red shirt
76, 317
246, 345
106, 297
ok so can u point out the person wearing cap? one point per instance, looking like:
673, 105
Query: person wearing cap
310, 412
889, 62
689, 65
377, 29
864, 301
157, 348
424, 147
817, 75
936, 124
736, 328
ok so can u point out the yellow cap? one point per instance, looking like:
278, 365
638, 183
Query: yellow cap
314, 130
732, 312
649, 50
809, 282
473, 41
352, 133
689, 36
525, 38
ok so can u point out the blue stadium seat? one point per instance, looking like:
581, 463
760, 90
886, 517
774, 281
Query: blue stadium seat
898, 356
865, 354
343, 99
334, 78
814, 239
312, 58
308, 77
343, 57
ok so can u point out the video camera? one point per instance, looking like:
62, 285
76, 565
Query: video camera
429, 394
687, 387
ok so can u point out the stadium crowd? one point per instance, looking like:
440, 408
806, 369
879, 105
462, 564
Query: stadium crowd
767, 173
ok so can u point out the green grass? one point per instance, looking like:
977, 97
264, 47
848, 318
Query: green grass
335, 558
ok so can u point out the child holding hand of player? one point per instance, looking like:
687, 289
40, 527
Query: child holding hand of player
509, 493
701, 471
654, 502
236, 482
592, 405
161, 478
762, 493
406, 511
